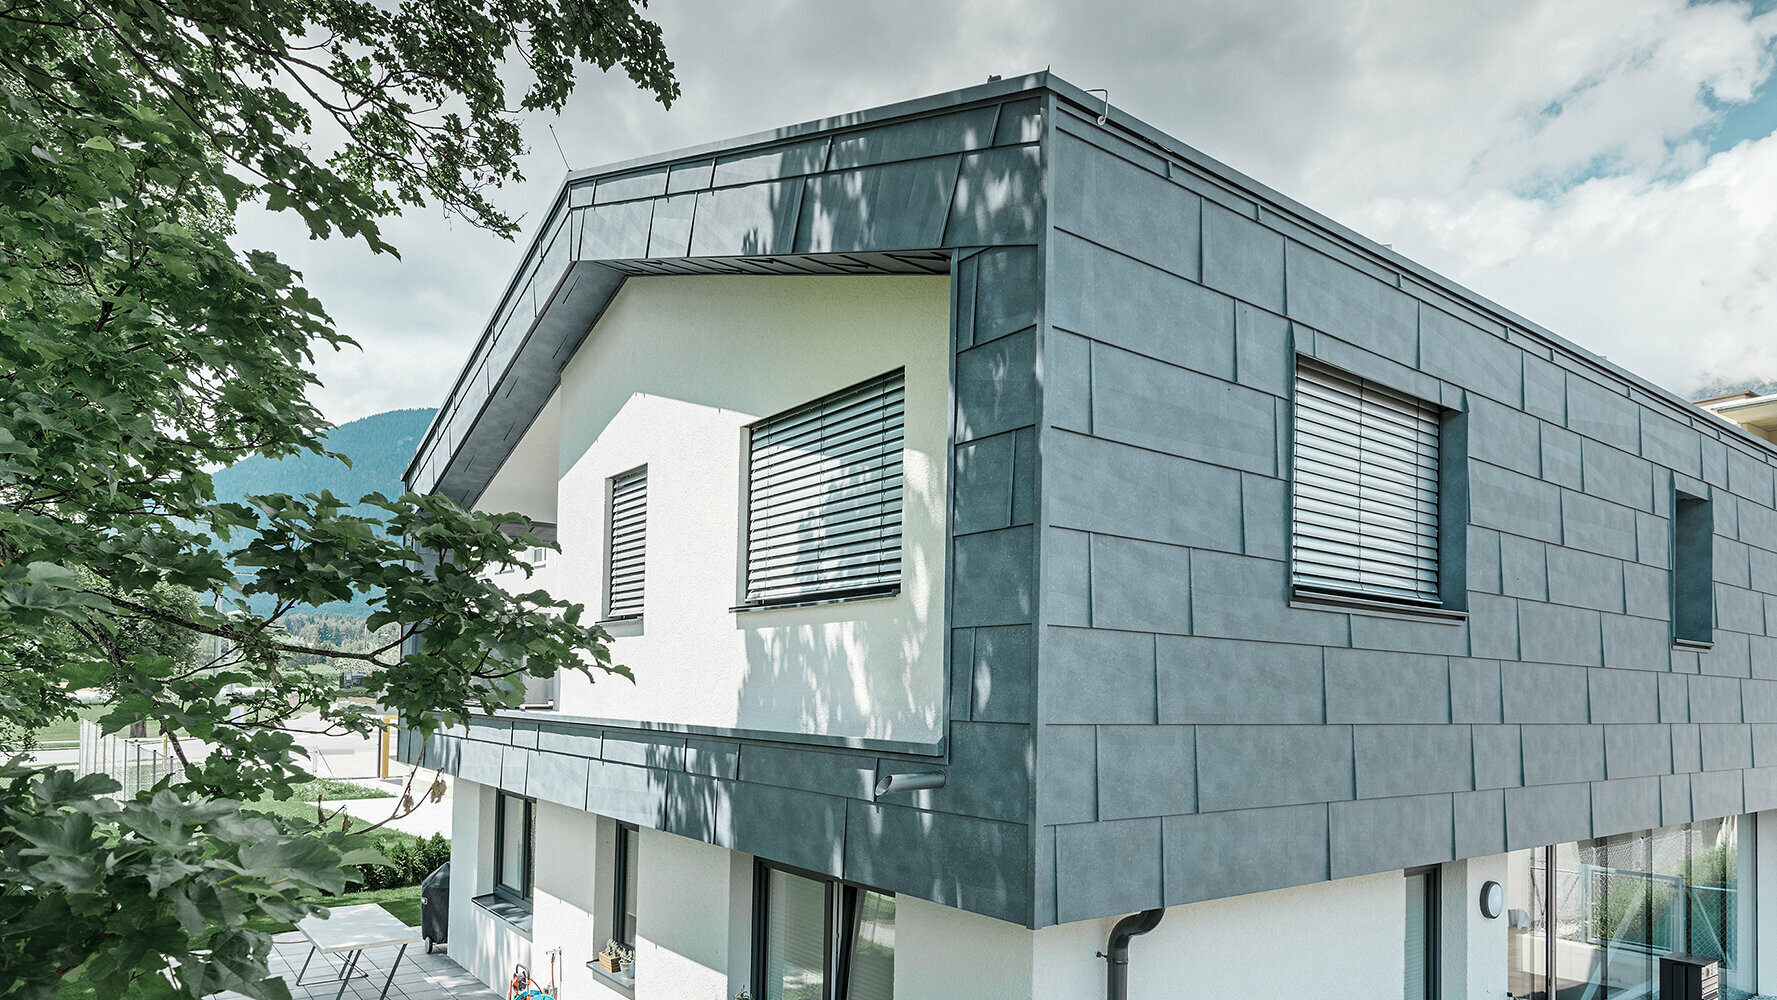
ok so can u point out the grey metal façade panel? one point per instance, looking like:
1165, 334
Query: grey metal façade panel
1365, 685
982, 474
1475, 690
1146, 771
1115, 489
1124, 207
1632, 751
1001, 673
1153, 313
998, 198
755, 220
972, 128
1373, 835
1210, 681
1182, 412
1086, 853
558, 778
974, 864
893, 204
1140, 586
1625, 806
1398, 760
1247, 767
1242, 258
1211, 855
1555, 755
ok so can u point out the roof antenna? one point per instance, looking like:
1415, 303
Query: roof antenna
1107, 102
564, 156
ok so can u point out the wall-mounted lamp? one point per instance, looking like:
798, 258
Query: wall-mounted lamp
892, 784
1493, 900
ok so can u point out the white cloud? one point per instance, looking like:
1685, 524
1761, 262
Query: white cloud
1550, 153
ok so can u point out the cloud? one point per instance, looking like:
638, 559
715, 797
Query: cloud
1553, 154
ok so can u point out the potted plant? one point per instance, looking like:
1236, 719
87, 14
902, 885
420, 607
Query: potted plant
614, 956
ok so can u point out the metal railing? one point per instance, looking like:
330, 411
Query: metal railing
136, 764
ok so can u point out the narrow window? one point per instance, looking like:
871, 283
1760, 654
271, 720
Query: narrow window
1693, 571
1421, 981
824, 497
514, 846
627, 545
624, 884
822, 939
1364, 515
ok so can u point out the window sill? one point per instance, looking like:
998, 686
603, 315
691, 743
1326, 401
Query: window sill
624, 983
1693, 645
815, 601
514, 914
1314, 600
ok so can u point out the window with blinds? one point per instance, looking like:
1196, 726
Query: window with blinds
1365, 507
824, 496
628, 543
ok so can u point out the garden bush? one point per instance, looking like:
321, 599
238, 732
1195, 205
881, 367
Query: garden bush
410, 861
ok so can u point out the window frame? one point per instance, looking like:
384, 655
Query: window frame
1693, 570
840, 916
611, 487
1448, 601
529, 855
1434, 931
808, 595
620, 900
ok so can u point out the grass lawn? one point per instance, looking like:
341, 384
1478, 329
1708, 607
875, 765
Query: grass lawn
403, 903
68, 730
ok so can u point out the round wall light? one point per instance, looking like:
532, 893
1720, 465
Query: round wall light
1493, 900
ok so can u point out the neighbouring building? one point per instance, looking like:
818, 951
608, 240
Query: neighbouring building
1016, 520
1755, 413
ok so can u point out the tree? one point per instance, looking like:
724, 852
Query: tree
139, 350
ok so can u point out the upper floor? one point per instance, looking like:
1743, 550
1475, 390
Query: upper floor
1197, 543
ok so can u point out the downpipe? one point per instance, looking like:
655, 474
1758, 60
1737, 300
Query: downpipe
1116, 957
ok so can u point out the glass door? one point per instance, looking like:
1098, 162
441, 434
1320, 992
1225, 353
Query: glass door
1527, 935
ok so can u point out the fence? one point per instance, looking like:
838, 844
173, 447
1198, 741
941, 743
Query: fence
136, 764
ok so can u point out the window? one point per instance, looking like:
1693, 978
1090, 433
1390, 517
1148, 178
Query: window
824, 497
1364, 518
821, 939
624, 877
1421, 981
627, 544
515, 849
1693, 571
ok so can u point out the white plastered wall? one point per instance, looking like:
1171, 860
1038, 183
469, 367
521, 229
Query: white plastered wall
480, 942
669, 378
1333, 940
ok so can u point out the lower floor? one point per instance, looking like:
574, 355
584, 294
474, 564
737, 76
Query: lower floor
550, 888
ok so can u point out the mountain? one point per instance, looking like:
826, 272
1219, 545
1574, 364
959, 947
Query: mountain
1721, 387
379, 447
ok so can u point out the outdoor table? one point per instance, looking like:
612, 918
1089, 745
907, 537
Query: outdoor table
354, 929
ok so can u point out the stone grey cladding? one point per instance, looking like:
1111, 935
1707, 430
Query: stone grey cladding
1286, 743
1138, 713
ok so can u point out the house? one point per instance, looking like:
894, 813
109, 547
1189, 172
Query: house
1017, 521
1755, 413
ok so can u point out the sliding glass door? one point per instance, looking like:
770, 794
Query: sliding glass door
1591, 920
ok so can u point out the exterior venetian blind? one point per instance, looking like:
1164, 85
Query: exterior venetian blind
1365, 509
628, 543
824, 496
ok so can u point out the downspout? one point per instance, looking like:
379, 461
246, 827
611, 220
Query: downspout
1117, 958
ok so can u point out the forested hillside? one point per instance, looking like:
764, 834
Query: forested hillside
379, 446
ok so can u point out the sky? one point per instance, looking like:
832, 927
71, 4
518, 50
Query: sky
1606, 168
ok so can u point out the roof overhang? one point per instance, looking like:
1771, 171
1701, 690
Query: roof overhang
898, 190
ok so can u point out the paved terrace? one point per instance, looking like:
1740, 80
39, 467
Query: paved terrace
421, 976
